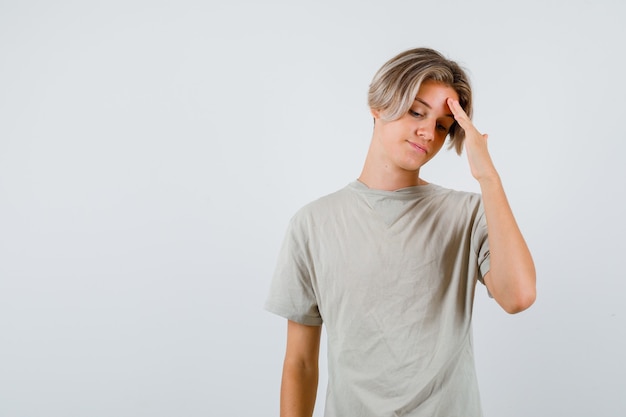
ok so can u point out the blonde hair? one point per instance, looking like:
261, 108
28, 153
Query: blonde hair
394, 87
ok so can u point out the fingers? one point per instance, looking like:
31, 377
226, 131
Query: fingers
460, 116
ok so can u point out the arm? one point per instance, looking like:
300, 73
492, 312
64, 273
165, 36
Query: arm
300, 370
511, 278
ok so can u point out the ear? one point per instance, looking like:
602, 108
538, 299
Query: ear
375, 113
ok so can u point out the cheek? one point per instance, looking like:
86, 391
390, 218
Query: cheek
391, 134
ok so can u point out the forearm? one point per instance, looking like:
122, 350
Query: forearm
511, 278
298, 390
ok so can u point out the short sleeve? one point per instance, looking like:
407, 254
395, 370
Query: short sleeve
480, 243
292, 293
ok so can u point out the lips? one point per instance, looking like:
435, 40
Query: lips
418, 148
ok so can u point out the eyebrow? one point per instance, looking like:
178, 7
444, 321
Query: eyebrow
430, 107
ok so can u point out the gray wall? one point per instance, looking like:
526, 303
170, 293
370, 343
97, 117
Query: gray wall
151, 154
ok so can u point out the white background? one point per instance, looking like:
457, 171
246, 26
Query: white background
151, 154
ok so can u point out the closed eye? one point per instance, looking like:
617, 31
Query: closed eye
415, 114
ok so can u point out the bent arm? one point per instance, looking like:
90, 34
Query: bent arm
300, 370
511, 278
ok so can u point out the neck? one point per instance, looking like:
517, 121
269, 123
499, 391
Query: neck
378, 175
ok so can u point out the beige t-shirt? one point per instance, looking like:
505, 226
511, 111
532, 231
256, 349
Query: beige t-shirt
391, 274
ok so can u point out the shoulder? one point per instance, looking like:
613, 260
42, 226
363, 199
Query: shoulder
438, 191
326, 204
322, 209
455, 200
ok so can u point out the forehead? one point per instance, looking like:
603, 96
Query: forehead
434, 96
435, 89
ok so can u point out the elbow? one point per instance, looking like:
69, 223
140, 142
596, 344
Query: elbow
514, 292
522, 301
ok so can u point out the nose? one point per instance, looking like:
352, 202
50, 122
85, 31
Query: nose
426, 130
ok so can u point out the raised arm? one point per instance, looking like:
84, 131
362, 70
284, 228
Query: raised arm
511, 278
300, 370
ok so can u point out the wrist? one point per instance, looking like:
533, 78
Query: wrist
489, 179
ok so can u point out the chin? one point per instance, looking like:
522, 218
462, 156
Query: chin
412, 167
